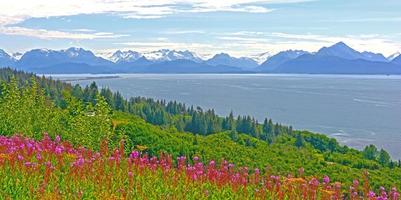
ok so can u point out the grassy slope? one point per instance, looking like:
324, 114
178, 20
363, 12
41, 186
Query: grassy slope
282, 156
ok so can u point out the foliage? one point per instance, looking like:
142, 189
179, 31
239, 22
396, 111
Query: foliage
25, 109
31, 105
49, 169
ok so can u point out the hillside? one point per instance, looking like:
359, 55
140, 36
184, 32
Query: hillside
31, 106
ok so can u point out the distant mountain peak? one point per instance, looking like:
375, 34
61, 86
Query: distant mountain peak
75, 51
341, 44
3, 53
223, 54
397, 60
171, 55
17, 55
226, 59
393, 56
274, 61
125, 56
261, 57
6, 59
341, 50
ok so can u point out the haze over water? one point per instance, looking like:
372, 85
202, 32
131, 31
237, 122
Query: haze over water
357, 110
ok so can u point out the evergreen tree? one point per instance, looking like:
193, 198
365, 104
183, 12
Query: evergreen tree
370, 152
384, 157
299, 142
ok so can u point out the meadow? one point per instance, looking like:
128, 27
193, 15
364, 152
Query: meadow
54, 169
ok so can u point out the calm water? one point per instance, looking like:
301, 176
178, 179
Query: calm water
357, 110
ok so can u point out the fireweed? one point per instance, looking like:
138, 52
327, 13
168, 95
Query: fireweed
54, 169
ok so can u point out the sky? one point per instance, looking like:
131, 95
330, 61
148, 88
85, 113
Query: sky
207, 27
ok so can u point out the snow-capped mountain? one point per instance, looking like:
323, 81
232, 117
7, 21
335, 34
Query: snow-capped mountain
38, 58
5, 59
17, 55
261, 57
227, 60
170, 55
125, 56
341, 50
392, 56
280, 58
336, 59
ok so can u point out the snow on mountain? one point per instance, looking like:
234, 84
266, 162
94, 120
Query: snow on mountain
6, 59
261, 57
227, 60
280, 58
125, 56
17, 55
397, 60
38, 58
392, 56
170, 55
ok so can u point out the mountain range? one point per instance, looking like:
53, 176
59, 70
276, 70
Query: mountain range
336, 59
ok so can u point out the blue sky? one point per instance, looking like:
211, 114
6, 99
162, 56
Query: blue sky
238, 27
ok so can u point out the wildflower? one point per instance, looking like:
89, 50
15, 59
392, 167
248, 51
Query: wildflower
58, 150
371, 194
326, 180
38, 156
314, 182
58, 139
356, 183
134, 154
212, 163
28, 164
257, 171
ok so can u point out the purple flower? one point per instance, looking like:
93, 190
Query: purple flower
28, 164
371, 194
257, 171
196, 158
58, 150
356, 183
38, 156
58, 139
134, 154
326, 180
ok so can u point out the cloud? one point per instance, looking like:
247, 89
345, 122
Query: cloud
18, 10
276, 41
50, 34
179, 32
376, 19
